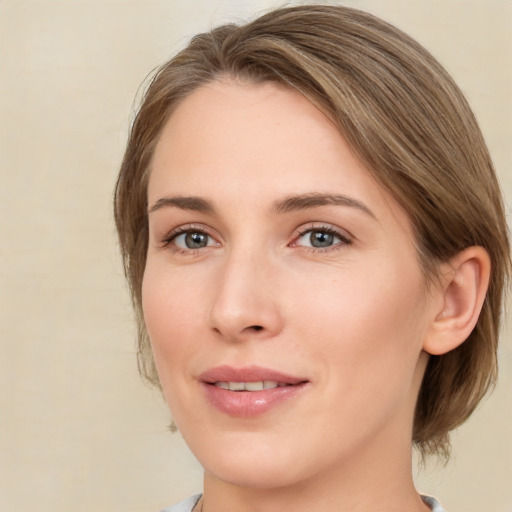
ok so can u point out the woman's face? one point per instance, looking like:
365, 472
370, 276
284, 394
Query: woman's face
282, 292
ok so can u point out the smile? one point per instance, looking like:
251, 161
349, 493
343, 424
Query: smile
251, 386
249, 391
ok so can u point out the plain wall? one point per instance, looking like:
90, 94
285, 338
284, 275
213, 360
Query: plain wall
78, 430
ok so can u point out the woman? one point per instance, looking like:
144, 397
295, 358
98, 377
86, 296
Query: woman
316, 247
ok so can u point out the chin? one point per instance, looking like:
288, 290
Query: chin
271, 475
253, 459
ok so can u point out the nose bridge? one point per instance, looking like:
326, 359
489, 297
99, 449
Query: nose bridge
245, 302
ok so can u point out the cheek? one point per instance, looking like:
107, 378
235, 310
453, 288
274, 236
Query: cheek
171, 300
171, 313
370, 324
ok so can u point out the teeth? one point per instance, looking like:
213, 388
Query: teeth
249, 386
236, 386
254, 386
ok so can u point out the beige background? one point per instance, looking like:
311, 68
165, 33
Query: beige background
78, 430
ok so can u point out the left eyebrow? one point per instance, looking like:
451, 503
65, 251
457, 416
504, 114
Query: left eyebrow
316, 199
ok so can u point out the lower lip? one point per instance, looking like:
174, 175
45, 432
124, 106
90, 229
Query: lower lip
247, 404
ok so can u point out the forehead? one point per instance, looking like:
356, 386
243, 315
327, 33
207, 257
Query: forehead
254, 143
251, 127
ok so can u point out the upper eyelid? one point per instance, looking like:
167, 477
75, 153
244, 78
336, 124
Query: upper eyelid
173, 233
320, 226
193, 226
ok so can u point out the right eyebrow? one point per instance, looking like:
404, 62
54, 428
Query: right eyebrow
197, 204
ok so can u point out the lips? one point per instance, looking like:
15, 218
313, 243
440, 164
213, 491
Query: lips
249, 391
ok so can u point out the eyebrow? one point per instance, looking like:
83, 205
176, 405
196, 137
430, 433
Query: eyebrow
192, 203
316, 199
288, 204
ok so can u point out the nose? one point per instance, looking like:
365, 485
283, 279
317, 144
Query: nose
246, 302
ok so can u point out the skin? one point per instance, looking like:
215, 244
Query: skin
352, 317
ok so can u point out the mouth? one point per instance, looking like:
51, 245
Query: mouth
251, 386
249, 391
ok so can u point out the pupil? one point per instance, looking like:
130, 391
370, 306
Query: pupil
195, 240
321, 239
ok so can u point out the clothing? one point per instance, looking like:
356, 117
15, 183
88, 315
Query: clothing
188, 504
185, 505
434, 505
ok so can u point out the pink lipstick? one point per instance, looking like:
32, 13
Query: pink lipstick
249, 391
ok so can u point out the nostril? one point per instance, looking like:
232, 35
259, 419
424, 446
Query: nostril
256, 327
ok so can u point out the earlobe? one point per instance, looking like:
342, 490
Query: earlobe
463, 288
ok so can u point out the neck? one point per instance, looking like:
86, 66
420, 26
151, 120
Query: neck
364, 485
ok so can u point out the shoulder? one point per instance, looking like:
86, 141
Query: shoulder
184, 506
434, 505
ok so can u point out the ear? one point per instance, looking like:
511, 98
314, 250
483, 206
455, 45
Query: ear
464, 281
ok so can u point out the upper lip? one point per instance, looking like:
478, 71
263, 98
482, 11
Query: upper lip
227, 373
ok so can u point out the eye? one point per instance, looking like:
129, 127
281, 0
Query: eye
192, 240
321, 238
189, 240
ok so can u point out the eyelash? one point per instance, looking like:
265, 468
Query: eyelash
330, 230
167, 242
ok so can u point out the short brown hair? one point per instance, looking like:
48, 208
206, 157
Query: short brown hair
404, 117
